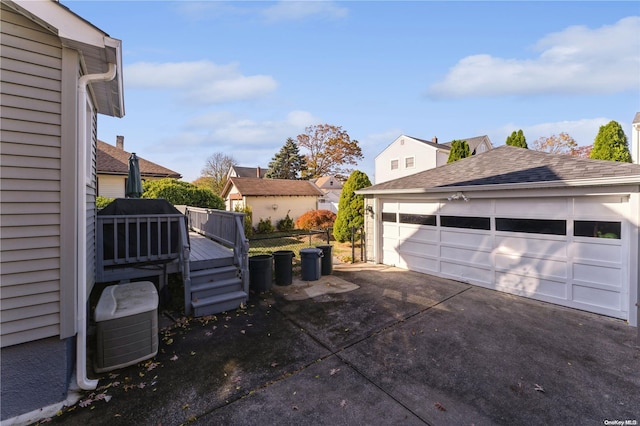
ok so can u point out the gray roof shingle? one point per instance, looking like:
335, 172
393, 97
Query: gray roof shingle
257, 186
510, 165
113, 160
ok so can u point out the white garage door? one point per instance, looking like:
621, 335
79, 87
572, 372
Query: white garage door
572, 252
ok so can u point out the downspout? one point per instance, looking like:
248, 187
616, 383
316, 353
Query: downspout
81, 195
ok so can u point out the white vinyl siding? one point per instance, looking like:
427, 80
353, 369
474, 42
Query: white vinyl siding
31, 63
111, 186
91, 204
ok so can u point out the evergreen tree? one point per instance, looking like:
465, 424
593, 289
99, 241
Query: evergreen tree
287, 163
459, 150
517, 139
611, 144
351, 206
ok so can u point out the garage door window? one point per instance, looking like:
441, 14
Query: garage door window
466, 222
596, 229
532, 226
418, 219
388, 217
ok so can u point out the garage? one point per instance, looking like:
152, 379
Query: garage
553, 228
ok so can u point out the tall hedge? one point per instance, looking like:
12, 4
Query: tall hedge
459, 150
611, 144
517, 139
351, 206
178, 192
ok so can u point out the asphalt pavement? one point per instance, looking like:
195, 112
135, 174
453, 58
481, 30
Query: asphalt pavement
377, 345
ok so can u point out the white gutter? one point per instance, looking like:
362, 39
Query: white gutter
81, 196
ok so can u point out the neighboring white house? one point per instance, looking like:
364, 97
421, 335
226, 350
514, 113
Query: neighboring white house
58, 73
331, 186
271, 198
408, 155
551, 227
112, 165
635, 139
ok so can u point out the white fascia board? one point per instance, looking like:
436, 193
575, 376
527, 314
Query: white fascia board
62, 21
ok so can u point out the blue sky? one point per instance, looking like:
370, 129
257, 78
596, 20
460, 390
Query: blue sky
241, 77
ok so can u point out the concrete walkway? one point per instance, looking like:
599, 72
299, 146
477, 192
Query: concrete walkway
374, 345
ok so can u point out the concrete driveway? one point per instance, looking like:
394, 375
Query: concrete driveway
375, 345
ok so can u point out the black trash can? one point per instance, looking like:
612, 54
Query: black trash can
283, 266
260, 272
310, 259
327, 259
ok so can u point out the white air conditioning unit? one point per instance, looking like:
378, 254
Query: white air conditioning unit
127, 325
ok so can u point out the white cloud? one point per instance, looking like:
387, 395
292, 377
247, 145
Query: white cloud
227, 128
577, 60
202, 82
300, 10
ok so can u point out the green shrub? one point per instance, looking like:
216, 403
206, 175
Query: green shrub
265, 226
178, 192
102, 202
248, 218
285, 224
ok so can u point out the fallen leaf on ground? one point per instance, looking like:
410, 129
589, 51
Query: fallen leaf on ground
538, 388
440, 406
343, 403
173, 358
334, 371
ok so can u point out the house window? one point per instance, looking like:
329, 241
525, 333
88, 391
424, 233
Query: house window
467, 222
482, 148
532, 226
418, 219
388, 217
394, 164
597, 229
409, 162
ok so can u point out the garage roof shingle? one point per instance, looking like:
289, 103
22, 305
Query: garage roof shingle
510, 165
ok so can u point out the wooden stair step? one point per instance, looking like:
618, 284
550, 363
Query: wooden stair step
212, 288
215, 273
218, 303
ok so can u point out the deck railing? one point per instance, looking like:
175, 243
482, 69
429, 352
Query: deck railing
226, 228
134, 244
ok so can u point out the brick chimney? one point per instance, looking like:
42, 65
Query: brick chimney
120, 142
434, 139
258, 171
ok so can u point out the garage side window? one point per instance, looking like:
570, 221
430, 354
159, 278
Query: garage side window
388, 217
468, 222
418, 219
532, 226
596, 229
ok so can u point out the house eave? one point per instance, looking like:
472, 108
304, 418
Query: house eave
97, 49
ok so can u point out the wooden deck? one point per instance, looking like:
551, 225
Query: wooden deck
206, 253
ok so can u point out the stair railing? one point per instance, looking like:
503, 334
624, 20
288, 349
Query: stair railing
226, 228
